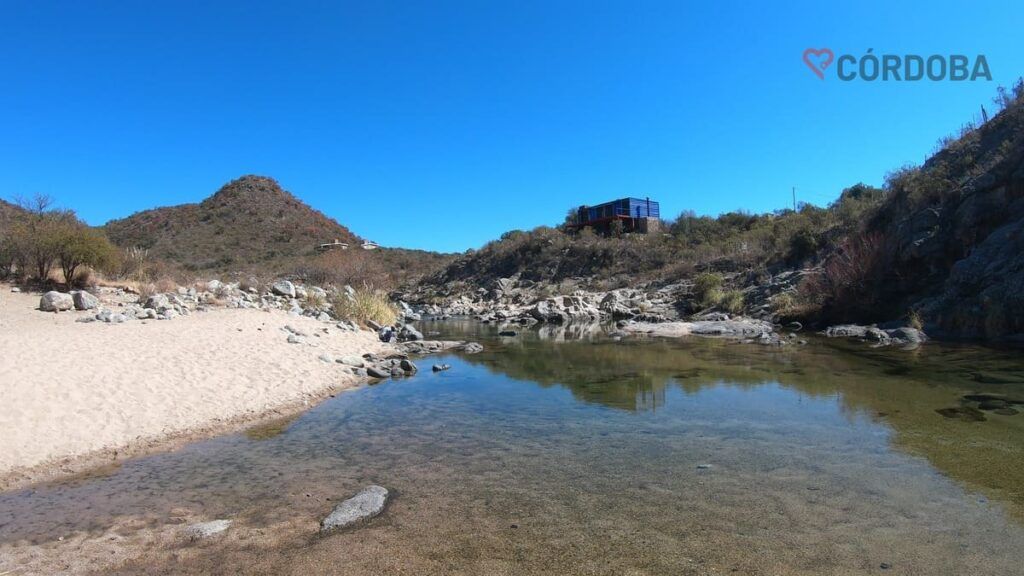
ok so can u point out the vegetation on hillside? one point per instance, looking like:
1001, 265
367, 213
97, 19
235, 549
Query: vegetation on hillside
877, 252
250, 224
732, 242
252, 228
36, 239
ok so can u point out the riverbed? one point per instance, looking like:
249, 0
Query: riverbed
551, 453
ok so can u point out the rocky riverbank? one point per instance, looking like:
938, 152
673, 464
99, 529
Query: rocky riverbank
117, 377
671, 310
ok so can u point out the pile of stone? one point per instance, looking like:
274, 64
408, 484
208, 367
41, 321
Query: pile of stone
904, 336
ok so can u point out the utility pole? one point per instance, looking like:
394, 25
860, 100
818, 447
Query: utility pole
794, 198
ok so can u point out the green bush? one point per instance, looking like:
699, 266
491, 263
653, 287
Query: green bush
707, 289
732, 301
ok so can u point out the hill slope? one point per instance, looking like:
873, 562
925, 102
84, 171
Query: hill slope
249, 223
942, 242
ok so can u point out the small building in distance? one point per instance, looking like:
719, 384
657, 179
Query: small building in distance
370, 245
636, 215
336, 245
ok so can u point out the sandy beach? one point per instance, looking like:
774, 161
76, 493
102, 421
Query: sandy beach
75, 395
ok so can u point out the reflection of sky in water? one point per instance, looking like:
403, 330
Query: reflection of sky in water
606, 424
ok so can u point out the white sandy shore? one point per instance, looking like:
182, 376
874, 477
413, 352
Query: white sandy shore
71, 391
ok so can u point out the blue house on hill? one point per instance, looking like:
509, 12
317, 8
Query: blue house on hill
636, 215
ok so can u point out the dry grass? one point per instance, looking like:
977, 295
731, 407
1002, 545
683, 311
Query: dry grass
364, 305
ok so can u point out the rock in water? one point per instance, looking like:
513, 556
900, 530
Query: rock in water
207, 529
440, 367
284, 288
85, 301
368, 503
54, 301
472, 348
375, 372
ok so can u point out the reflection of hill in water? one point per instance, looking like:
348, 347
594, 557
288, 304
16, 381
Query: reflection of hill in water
897, 388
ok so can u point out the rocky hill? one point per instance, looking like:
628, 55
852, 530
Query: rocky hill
250, 223
950, 236
942, 245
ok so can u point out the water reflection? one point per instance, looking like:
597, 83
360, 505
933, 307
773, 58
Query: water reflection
913, 392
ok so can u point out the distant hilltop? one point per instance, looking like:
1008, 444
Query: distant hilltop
249, 221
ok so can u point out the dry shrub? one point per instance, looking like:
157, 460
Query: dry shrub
145, 290
364, 305
848, 284
166, 285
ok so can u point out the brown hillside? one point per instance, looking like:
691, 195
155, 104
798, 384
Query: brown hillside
250, 223
8, 212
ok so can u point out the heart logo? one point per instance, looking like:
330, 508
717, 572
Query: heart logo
818, 59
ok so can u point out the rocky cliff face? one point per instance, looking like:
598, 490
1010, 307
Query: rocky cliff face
954, 233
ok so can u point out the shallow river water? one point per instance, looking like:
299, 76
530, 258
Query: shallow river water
543, 456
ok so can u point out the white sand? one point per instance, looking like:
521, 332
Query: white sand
70, 389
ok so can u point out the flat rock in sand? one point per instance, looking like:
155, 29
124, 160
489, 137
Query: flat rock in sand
368, 503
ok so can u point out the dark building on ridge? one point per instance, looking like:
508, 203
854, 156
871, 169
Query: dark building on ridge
636, 215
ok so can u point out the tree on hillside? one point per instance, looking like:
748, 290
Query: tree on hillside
35, 236
80, 245
41, 237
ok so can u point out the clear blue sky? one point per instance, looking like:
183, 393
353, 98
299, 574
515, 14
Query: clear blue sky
441, 125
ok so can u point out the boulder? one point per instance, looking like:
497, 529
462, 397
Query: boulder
472, 348
213, 285
375, 372
54, 301
283, 288
84, 300
157, 302
549, 311
408, 332
440, 367
353, 361
407, 366
366, 504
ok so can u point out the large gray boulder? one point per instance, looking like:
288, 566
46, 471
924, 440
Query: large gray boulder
369, 502
54, 301
84, 300
158, 302
549, 311
408, 332
283, 288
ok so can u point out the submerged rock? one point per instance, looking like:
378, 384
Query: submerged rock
440, 367
965, 413
369, 502
207, 529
